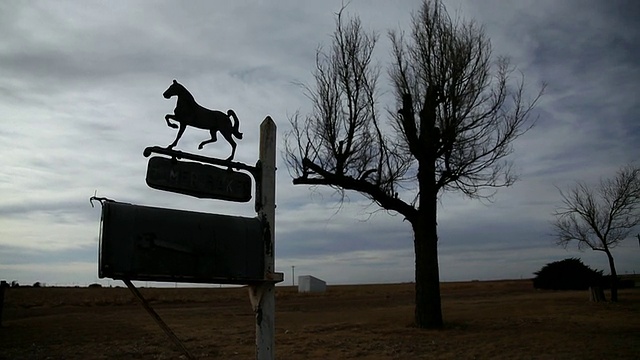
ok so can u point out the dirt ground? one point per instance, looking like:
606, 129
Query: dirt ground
484, 320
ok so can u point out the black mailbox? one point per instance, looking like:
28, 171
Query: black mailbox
156, 244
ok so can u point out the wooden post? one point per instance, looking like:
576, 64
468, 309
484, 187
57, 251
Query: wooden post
597, 294
263, 295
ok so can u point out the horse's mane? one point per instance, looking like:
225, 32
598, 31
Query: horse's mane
185, 93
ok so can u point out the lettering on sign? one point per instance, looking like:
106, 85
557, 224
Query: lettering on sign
199, 180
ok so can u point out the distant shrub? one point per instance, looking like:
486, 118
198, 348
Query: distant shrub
15, 284
567, 274
37, 284
95, 285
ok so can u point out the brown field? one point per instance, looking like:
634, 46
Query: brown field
484, 320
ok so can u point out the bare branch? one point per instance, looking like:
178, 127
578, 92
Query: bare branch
600, 217
345, 182
477, 116
343, 134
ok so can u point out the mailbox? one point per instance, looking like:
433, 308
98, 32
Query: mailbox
157, 244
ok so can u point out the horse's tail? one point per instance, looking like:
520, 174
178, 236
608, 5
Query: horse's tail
236, 124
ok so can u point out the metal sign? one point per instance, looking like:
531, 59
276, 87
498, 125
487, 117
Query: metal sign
199, 180
156, 244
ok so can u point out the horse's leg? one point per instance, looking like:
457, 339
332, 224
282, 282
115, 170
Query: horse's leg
227, 136
173, 117
213, 139
180, 132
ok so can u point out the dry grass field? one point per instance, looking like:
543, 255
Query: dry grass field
484, 320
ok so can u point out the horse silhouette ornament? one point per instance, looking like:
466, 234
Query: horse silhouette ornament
189, 113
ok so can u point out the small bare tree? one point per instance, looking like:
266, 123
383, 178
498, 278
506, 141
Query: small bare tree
600, 217
457, 118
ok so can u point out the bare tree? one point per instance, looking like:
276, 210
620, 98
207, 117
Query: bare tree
458, 115
600, 217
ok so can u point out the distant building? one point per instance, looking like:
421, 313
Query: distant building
308, 283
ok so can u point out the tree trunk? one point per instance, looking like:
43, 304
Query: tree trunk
597, 295
614, 277
428, 311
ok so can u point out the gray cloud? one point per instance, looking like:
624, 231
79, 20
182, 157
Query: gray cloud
80, 94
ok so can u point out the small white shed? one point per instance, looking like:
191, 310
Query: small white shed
308, 283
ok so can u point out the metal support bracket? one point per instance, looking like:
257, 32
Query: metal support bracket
257, 290
157, 318
176, 154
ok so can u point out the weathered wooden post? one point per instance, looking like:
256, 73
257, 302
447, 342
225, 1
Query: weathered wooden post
262, 295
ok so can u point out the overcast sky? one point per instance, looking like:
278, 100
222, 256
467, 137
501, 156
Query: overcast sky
81, 87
